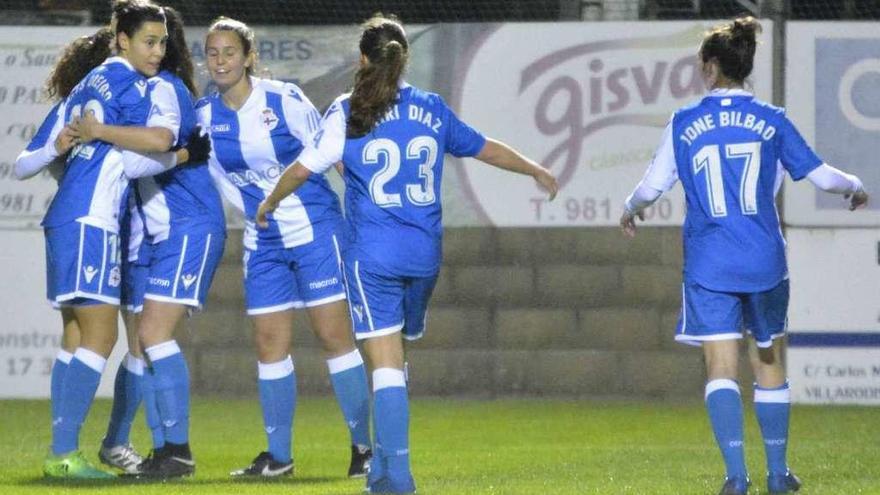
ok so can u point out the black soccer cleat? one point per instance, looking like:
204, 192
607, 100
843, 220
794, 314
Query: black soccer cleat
361, 456
735, 486
264, 465
168, 462
783, 483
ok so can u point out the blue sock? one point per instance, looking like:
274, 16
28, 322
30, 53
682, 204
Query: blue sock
126, 399
349, 379
277, 385
171, 387
772, 407
77, 394
391, 417
151, 409
726, 415
59, 369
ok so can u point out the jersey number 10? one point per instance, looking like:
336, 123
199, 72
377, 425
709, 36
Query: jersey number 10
709, 159
419, 194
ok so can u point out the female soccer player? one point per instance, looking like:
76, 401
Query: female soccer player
184, 223
50, 146
257, 127
730, 151
391, 138
84, 214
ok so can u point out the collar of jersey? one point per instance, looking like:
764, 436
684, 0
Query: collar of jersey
729, 92
116, 59
255, 88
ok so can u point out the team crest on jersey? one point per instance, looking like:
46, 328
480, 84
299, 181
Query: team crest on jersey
115, 277
269, 119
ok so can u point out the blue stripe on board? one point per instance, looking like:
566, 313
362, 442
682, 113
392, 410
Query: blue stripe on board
834, 339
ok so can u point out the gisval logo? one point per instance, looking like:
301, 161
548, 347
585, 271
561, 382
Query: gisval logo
115, 277
187, 280
592, 111
90, 273
269, 119
358, 311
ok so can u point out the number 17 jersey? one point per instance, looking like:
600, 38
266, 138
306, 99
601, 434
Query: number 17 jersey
730, 151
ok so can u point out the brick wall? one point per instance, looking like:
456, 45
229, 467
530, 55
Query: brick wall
575, 312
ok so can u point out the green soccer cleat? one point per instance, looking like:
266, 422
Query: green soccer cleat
73, 466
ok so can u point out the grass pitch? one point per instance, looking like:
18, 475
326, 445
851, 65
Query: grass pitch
525, 446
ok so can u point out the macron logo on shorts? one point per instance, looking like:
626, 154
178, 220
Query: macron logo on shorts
323, 283
187, 280
359, 311
90, 273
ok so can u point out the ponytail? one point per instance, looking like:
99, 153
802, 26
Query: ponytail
384, 44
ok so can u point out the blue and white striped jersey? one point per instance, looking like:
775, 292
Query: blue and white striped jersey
253, 146
393, 176
184, 197
93, 184
729, 151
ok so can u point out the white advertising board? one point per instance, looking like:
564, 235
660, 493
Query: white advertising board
834, 318
589, 101
832, 81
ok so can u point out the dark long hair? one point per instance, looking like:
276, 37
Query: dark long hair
733, 45
383, 43
178, 59
78, 58
130, 15
245, 36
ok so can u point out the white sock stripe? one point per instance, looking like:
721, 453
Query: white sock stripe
64, 356
163, 350
720, 384
134, 365
387, 378
775, 396
274, 371
91, 359
345, 362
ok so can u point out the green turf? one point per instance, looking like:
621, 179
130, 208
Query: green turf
475, 446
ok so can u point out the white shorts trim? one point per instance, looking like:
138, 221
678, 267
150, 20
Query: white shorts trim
698, 340
60, 300
379, 333
275, 309
769, 343
325, 300
414, 337
185, 302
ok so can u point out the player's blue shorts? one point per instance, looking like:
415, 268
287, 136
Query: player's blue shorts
382, 303
278, 279
134, 279
82, 265
710, 315
182, 267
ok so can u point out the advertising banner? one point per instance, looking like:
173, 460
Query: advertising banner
832, 95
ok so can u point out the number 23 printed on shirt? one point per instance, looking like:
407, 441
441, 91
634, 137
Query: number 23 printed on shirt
709, 158
419, 194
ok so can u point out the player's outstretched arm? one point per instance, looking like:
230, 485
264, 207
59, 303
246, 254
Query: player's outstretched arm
830, 179
290, 181
500, 155
142, 139
642, 197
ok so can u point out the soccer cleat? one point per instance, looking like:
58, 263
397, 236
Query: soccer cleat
73, 466
735, 486
387, 484
122, 457
266, 466
168, 462
783, 483
361, 456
